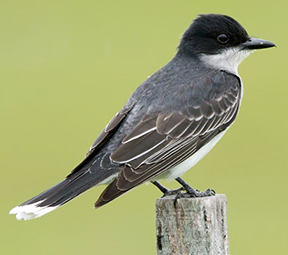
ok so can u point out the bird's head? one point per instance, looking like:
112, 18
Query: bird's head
219, 41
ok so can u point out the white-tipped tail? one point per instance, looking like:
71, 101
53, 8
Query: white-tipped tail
32, 211
75, 184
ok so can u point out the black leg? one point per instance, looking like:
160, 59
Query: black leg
165, 191
192, 192
160, 186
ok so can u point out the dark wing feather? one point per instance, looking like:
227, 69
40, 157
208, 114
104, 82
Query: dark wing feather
161, 142
130, 178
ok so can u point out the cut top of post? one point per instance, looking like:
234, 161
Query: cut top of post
195, 226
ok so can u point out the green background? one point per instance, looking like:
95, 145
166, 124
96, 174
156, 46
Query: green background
66, 67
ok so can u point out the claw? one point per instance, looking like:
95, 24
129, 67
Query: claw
178, 195
206, 193
194, 193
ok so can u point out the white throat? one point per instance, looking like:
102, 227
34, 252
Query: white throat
228, 60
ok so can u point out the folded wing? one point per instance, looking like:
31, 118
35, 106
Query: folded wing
162, 141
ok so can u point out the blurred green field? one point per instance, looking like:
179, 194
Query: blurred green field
66, 67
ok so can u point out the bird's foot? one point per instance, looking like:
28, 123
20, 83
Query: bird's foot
193, 193
167, 192
171, 192
190, 192
197, 193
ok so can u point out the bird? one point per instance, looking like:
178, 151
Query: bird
171, 121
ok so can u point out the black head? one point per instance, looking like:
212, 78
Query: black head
211, 33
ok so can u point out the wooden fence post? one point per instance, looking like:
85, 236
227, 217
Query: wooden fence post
197, 226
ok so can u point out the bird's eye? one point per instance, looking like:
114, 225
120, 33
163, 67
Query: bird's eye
223, 38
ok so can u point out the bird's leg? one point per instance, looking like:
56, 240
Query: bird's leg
192, 192
165, 191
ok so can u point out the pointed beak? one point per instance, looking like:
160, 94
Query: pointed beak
256, 44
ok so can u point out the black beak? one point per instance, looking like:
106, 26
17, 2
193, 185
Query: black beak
256, 44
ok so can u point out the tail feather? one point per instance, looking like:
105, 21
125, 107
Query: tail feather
54, 197
86, 175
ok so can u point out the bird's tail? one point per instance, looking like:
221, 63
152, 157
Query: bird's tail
54, 197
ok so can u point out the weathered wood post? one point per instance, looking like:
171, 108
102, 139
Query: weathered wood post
197, 226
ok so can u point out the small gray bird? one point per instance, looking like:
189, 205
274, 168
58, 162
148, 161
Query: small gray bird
170, 122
